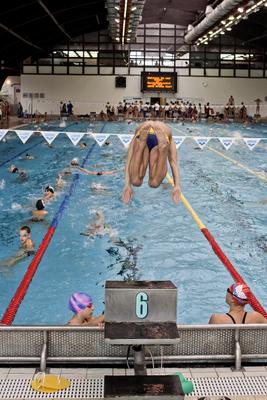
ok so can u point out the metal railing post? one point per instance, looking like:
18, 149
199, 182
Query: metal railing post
237, 350
44, 352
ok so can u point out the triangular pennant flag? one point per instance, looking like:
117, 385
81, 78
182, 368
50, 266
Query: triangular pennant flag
125, 139
226, 142
75, 137
251, 142
202, 141
178, 140
49, 136
100, 138
24, 135
3, 133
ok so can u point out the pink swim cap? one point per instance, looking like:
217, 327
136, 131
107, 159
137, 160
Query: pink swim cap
79, 301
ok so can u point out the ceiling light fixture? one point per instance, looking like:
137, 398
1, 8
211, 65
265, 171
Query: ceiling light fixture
231, 18
240, 9
124, 20
223, 22
229, 28
134, 8
117, 20
117, 8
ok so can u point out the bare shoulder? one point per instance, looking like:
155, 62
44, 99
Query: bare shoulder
218, 319
256, 318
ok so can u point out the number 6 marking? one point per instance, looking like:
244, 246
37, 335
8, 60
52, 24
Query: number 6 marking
141, 305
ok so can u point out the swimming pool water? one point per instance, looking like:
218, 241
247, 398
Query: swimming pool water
159, 240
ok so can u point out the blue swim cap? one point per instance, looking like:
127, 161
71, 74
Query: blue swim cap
79, 301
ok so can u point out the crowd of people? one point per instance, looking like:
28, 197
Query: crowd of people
175, 110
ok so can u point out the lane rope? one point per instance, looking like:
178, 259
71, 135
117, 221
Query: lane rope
21, 291
19, 154
258, 174
253, 301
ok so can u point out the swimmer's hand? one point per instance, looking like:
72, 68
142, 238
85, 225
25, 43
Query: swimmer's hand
176, 195
127, 194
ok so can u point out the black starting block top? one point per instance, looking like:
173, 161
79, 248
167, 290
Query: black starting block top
143, 386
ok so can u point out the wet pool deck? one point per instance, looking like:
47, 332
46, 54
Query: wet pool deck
248, 384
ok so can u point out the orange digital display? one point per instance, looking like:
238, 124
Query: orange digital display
159, 81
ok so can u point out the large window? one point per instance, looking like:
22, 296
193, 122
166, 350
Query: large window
157, 47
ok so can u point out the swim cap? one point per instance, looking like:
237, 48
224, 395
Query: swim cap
79, 301
240, 293
40, 204
50, 189
74, 161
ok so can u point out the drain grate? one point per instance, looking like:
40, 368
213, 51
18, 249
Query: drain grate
230, 386
93, 388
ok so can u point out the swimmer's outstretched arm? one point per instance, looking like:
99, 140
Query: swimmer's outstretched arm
86, 171
172, 156
9, 262
128, 191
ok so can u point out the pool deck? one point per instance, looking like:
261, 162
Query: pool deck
248, 384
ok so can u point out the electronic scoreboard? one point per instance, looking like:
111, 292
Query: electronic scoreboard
159, 82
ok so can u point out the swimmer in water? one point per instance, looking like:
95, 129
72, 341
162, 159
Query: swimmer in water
82, 146
40, 213
151, 147
26, 249
81, 304
14, 170
98, 187
98, 226
60, 183
237, 296
75, 164
49, 193
29, 157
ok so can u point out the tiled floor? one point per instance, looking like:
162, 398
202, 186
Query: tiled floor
196, 374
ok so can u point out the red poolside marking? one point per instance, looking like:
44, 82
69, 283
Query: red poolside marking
255, 304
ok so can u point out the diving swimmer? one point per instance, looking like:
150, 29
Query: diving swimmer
152, 146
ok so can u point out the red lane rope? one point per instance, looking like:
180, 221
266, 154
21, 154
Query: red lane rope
255, 304
22, 289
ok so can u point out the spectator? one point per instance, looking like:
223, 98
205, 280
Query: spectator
20, 110
258, 102
237, 297
69, 108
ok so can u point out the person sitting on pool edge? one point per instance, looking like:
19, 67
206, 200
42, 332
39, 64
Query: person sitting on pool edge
40, 213
151, 146
81, 304
237, 296
26, 249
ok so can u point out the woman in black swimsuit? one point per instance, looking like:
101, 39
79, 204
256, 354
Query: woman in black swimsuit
237, 296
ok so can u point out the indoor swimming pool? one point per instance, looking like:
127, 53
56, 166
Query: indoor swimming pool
150, 239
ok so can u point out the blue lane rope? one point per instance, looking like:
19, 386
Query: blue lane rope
68, 195
19, 154
72, 188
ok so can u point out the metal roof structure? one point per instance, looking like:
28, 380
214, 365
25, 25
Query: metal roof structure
33, 27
